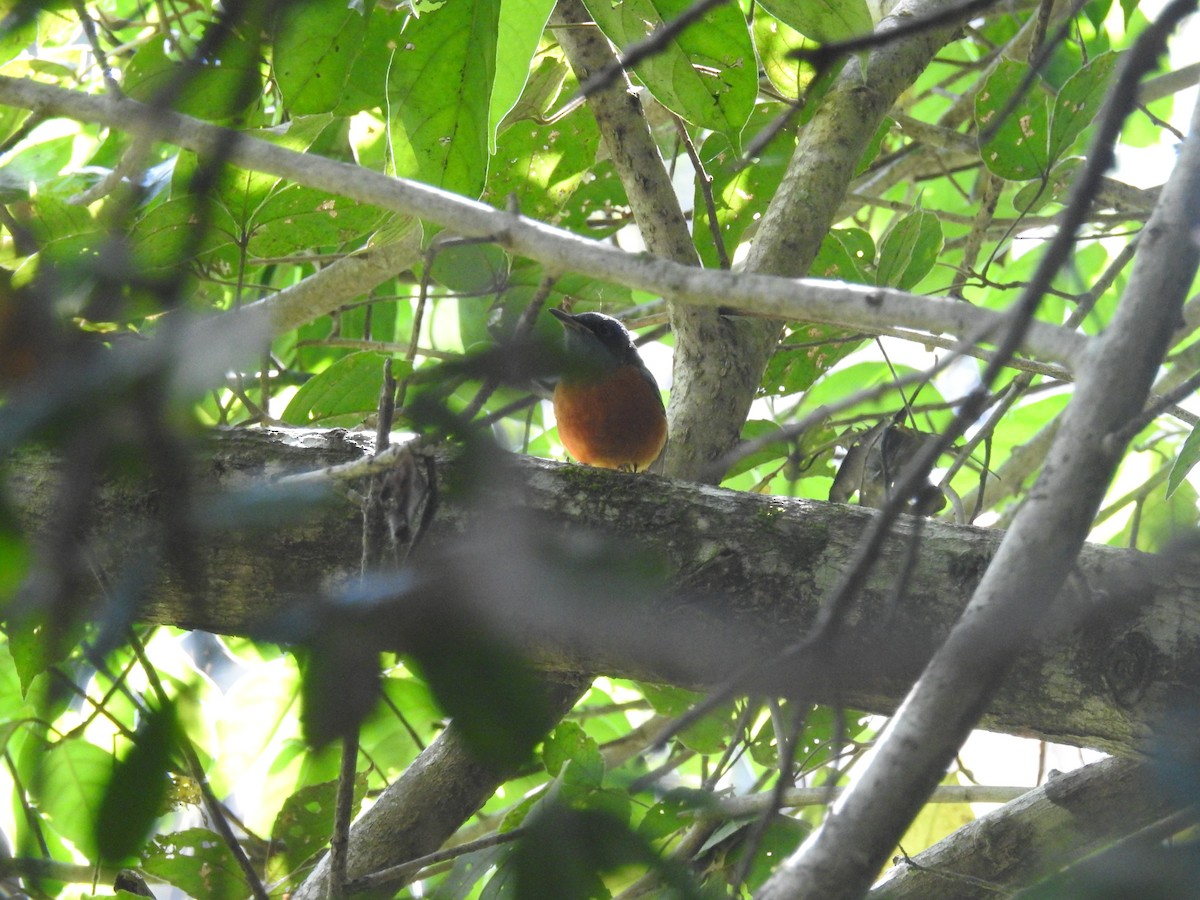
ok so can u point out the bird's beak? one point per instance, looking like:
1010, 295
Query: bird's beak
568, 321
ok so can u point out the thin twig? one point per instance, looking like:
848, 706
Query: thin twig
339, 844
403, 871
89, 30
705, 181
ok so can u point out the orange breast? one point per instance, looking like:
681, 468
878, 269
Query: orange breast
617, 422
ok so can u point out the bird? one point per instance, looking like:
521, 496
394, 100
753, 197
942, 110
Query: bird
609, 409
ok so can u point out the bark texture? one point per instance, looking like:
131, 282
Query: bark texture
732, 575
1065, 820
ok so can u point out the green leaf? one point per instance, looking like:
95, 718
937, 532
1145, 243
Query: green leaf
542, 88
1038, 194
35, 165
37, 644
350, 388
12, 698
1019, 149
676, 810
668, 700
212, 92
316, 44
520, 29
15, 556
823, 20
1160, 519
168, 235
296, 218
780, 839
551, 172
70, 788
569, 744
845, 255
133, 798
909, 250
807, 353
775, 40
1078, 101
197, 862
711, 734
1189, 455
740, 193
493, 697
470, 268
567, 851
439, 94
22, 30
707, 75
373, 61
305, 822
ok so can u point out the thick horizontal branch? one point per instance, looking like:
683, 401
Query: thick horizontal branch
534, 562
1052, 826
834, 303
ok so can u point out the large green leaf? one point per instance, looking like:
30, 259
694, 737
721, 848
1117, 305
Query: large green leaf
1037, 194
168, 236
569, 743
775, 42
214, 90
370, 73
520, 29
1077, 103
1020, 146
823, 20
845, 255
439, 95
348, 389
316, 44
21, 30
1166, 514
551, 172
70, 787
35, 165
295, 218
707, 75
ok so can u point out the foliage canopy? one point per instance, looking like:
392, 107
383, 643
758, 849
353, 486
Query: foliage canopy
116, 241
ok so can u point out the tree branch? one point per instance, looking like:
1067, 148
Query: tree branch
1036, 555
836, 303
1054, 825
742, 572
424, 806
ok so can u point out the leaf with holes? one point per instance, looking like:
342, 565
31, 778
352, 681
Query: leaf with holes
315, 47
1078, 102
823, 20
439, 95
1019, 148
708, 74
